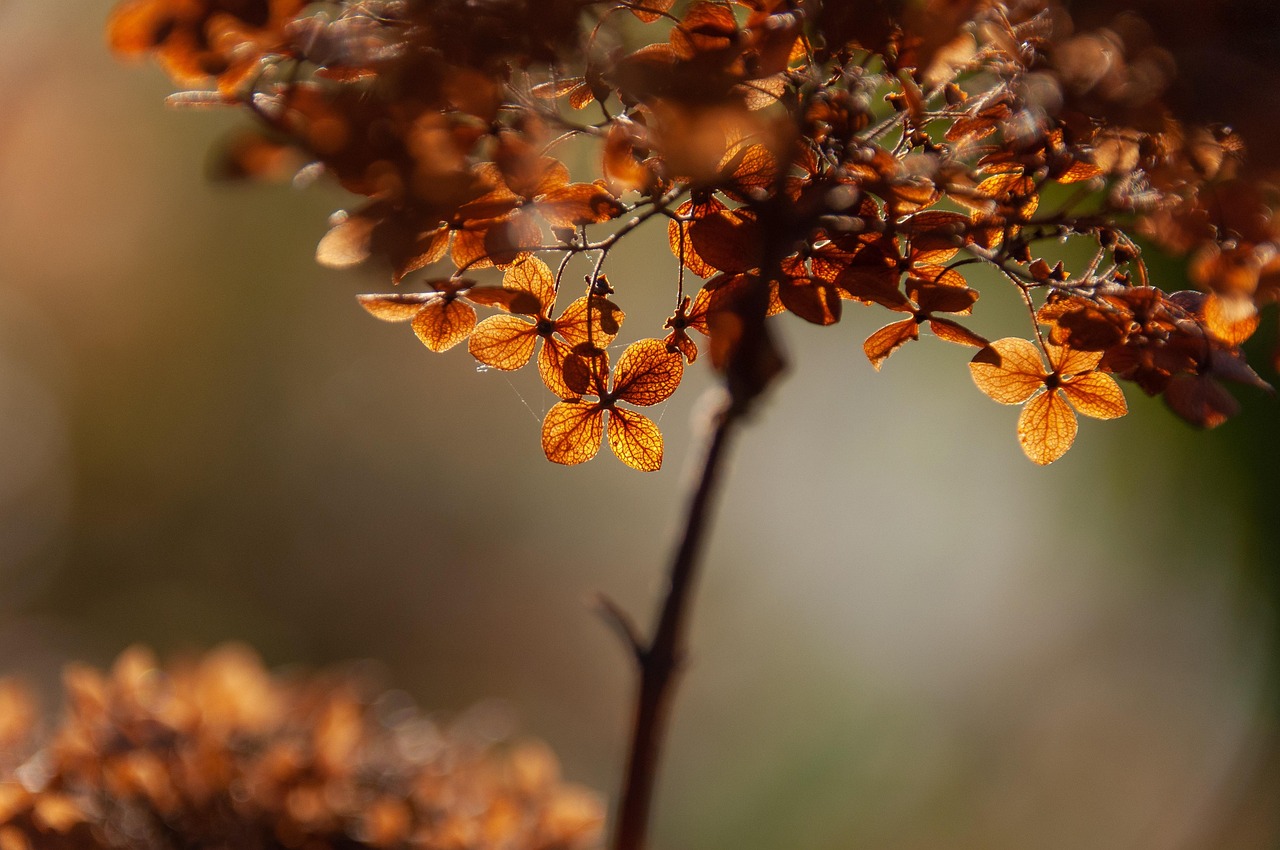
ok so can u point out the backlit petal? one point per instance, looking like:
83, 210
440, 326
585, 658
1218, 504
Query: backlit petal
572, 431
635, 440
1046, 428
1009, 370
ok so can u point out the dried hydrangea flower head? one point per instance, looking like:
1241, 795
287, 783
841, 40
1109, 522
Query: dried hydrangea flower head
217, 752
803, 155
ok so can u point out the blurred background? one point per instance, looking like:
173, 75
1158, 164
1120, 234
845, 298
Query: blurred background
907, 635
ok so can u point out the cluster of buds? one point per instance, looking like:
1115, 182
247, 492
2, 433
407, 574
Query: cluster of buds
804, 155
217, 752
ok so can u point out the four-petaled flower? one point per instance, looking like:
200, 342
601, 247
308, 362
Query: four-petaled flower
1011, 371
647, 373
583, 330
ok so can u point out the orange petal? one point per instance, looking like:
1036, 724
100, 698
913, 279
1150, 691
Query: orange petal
1046, 428
692, 260
503, 342
955, 332
579, 203
647, 373
754, 167
1070, 361
590, 320
442, 324
567, 374
533, 276
889, 339
935, 236
1230, 318
635, 440
511, 300
942, 298
1009, 370
419, 253
1096, 394
1079, 171
137, 26
469, 251
572, 431
940, 275
396, 307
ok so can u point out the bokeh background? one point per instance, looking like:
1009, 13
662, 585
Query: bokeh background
907, 635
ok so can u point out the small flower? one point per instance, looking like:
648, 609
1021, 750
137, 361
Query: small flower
1011, 371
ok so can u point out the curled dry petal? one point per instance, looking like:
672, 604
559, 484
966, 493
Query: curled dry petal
889, 339
395, 307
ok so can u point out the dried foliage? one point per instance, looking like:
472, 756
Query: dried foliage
218, 753
804, 155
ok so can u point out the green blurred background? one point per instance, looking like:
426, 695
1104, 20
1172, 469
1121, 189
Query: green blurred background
907, 636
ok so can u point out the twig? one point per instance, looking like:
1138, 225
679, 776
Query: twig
662, 658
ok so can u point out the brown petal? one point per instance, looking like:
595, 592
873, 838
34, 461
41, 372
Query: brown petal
579, 203
813, 301
889, 339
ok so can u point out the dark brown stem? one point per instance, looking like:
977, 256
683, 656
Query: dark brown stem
661, 659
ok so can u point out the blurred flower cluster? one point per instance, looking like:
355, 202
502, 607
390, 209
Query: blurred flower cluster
802, 154
217, 752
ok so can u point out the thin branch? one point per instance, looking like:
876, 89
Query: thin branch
662, 659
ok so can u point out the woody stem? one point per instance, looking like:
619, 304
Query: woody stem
661, 659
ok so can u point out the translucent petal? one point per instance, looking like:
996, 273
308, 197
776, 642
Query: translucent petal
889, 339
1071, 361
1009, 370
1046, 428
591, 321
647, 373
444, 323
1096, 394
503, 342
813, 301
635, 440
579, 203
396, 307
572, 432
534, 276
729, 240
955, 332
1230, 318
